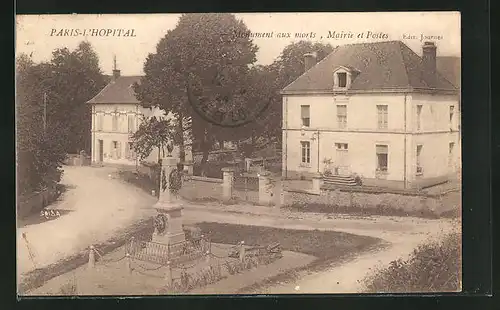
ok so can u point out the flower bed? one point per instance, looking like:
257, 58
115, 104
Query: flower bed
214, 273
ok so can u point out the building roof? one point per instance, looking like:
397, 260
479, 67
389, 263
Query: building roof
449, 67
118, 91
382, 65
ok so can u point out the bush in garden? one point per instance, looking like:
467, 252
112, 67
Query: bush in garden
432, 267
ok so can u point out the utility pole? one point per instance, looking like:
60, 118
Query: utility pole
45, 112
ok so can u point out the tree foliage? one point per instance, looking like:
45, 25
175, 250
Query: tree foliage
265, 85
202, 61
66, 83
39, 155
75, 78
290, 64
152, 133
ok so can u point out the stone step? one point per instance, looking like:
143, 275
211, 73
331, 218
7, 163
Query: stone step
340, 180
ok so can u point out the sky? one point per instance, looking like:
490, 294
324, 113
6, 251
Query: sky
36, 35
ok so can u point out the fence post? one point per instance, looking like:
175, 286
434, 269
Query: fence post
128, 263
242, 251
317, 182
91, 264
227, 182
265, 188
168, 274
282, 192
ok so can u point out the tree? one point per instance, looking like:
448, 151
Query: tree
39, 155
203, 61
152, 133
264, 85
75, 78
283, 71
290, 64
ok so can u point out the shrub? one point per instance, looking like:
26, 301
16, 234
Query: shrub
432, 267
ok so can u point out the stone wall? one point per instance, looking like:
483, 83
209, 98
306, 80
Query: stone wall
212, 189
371, 199
201, 188
77, 160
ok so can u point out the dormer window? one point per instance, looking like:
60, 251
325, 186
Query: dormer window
342, 78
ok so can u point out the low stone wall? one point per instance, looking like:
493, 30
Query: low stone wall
201, 188
77, 160
411, 202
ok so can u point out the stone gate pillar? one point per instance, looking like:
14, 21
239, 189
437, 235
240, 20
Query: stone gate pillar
266, 188
227, 182
317, 182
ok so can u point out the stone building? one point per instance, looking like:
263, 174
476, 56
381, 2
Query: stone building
376, 110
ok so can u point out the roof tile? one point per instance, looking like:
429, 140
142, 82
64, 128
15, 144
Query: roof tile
382, 65
118, 91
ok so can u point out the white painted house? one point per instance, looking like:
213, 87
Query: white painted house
116, 115
377, 110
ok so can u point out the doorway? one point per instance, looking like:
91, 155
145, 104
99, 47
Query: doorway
342, 158
101, 151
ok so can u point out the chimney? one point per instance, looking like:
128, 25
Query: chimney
429, 62
116, 72
309, 61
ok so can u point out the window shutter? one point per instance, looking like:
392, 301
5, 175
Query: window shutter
112, 149
127, 151
118, 150
131, 123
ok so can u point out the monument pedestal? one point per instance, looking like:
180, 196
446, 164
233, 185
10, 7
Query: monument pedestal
173, 232
168, 221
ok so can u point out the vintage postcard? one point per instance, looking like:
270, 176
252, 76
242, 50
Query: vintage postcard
255, 153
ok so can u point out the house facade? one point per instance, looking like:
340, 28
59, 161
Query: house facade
376, 110
116, 115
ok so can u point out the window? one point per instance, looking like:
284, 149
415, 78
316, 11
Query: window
304, 114
99, 120
341, 146
342, 78
131, 123
114, 123
382, 116
419, 166
419, 116
452, 111
451, 148
382, 151
306, 152
342, 116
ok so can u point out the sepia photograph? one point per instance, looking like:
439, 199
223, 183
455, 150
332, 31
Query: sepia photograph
238, 153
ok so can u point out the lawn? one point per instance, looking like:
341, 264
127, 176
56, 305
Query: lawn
328, 246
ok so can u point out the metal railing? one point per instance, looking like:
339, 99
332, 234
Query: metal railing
174, 253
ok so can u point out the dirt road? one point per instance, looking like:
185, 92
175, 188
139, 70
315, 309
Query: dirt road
402, 234
99, 205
